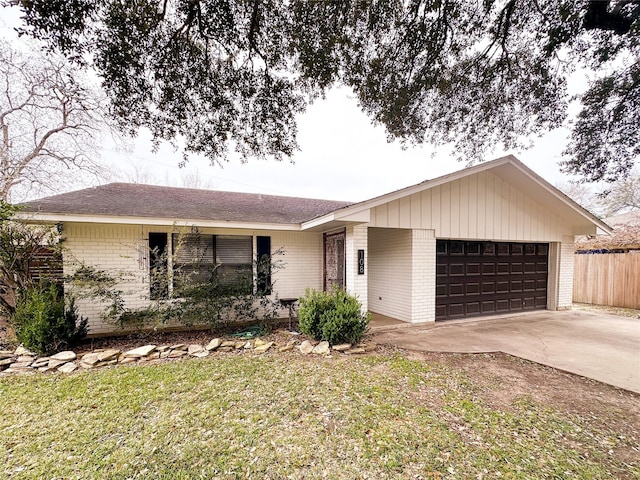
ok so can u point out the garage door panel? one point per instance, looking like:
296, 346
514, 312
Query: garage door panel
488, 268
482, 278
456, 310
472, 308
502, 305
488, 306
473, 268
488, 288
473, 288
502, 268
515, 304
456, 269
456, 248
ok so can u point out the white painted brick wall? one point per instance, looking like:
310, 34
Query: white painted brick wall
423, 274
357, 239
565, 287
116, 250
302, 262
390, 272
120, 250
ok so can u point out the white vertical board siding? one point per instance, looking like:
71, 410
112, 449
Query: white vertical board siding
481, 206
120, 252
390, 277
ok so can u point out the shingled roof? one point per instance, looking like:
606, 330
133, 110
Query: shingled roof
135, 200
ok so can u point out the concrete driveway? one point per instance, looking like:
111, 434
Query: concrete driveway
595, 345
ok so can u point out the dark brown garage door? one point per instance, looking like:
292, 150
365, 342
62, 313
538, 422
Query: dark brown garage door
486, 278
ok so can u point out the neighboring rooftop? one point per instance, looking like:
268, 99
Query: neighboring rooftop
135, 200
625, 235
629, 218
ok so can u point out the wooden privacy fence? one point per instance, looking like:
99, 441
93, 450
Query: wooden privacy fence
607, 279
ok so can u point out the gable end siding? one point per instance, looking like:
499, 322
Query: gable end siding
479, 206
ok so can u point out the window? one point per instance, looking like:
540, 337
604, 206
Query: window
198, 258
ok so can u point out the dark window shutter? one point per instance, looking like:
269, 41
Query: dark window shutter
263, 254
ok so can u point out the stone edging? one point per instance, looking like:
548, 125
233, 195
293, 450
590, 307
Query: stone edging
23, 361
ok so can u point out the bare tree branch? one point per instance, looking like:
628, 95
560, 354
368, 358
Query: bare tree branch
49, 124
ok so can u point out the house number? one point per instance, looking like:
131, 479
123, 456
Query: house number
360, 262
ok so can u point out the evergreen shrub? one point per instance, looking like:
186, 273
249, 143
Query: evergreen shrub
333, 316
42, 321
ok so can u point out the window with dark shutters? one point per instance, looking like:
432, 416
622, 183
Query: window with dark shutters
199, 258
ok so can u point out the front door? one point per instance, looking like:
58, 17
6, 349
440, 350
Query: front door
334, 261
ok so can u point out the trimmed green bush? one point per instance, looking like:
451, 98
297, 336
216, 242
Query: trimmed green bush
43, 323
333, 316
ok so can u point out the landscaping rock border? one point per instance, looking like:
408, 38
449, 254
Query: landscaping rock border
22, 361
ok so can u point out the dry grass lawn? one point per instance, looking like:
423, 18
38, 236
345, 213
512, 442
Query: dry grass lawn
283, 416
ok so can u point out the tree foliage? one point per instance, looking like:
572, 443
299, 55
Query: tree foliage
20, 246
233, 74
49, 120
622, 196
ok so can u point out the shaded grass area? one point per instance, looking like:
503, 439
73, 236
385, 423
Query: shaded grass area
280, 416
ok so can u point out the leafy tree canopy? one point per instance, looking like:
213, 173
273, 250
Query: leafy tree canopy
233, 74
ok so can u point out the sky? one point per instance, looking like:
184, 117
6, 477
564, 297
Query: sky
342, 156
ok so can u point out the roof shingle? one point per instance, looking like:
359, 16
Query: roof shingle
135, 200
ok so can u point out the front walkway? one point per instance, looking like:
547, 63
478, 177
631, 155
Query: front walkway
596, 345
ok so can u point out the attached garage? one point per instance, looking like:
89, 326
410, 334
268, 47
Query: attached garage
490, 239
487, 278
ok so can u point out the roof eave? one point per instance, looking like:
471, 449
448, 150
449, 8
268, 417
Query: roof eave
43, 217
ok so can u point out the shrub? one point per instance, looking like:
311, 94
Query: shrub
43, 323
333, 316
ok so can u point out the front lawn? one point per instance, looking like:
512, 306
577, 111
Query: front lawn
287, 416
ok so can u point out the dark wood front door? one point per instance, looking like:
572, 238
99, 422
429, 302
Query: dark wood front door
334, 260
486, 278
